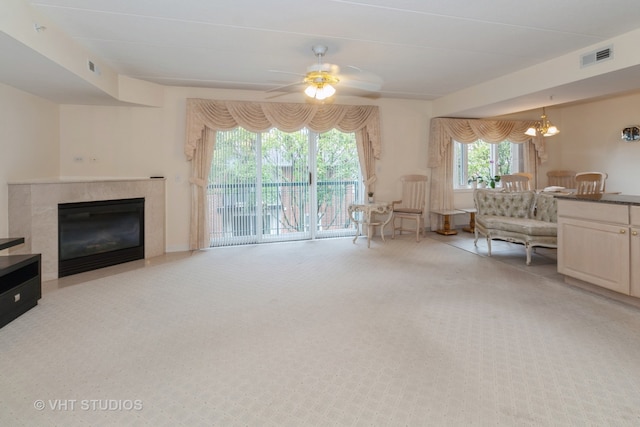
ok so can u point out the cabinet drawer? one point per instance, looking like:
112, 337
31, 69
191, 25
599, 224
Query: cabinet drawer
19, 299
594, 211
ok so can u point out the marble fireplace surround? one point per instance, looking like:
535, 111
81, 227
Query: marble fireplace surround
33, 212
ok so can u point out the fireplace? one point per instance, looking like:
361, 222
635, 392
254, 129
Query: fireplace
99, 234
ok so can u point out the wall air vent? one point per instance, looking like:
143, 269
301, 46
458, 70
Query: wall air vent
93, 67
596, 56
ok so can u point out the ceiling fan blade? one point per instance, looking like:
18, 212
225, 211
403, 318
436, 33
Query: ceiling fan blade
282, 88
359, 79
277, 95
286, 72
363, 75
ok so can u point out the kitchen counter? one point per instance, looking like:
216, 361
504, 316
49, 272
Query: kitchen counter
620, 199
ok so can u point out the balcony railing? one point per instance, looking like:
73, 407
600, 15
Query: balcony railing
285, 208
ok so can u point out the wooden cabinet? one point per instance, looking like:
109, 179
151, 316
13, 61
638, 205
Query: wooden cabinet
594, 244
634, 238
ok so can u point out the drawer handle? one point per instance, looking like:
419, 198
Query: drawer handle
634, 232
623, 231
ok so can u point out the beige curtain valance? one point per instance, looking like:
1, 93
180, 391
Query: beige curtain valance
443, 130
288, 117
205, 117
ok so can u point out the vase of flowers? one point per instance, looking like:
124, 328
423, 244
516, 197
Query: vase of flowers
370, 194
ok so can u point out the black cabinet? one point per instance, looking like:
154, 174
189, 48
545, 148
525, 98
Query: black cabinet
20, 282
10, 241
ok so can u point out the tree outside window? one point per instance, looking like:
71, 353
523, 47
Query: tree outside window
275, 178
481, 161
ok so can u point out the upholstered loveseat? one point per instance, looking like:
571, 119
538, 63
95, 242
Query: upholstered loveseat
521, 217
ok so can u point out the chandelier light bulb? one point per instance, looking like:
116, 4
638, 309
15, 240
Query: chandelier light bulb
310, 91
551, 131
329, 90
320, 92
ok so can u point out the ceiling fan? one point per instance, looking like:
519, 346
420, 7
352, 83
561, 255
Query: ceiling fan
321, 79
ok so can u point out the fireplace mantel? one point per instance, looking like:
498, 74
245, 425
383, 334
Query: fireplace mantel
33, 210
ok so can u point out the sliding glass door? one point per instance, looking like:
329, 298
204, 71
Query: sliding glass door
277, 186
285, 180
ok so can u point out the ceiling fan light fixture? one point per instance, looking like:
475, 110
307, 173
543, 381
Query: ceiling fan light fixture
320, 78
320, 92
544, 127
320, 85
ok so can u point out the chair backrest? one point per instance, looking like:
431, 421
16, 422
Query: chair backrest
562, 178
590, 182
414, 188
514, 182
528, 175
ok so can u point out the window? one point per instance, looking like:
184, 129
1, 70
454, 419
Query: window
486, 160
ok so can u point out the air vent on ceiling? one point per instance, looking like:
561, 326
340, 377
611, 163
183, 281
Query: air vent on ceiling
596, 56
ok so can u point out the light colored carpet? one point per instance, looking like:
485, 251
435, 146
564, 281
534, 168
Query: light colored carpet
323, 333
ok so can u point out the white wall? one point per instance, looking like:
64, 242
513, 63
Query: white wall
28, 142
143, 141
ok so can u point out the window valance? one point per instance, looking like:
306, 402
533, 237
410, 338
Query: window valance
443, 130
288, 117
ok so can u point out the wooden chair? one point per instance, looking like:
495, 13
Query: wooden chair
411, 206
514, 182
528, 175
562, 178
590, 182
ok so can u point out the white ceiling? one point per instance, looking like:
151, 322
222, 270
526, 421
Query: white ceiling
420, 49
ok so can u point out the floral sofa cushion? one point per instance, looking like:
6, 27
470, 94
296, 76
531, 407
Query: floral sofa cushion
513, 205
546, 208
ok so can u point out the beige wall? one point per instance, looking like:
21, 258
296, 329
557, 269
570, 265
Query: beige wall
590, 140
143, 141
41, 140
29, 146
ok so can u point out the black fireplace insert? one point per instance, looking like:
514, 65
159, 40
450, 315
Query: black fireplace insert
99, 234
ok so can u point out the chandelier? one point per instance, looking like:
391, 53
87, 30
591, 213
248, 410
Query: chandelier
544, 127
